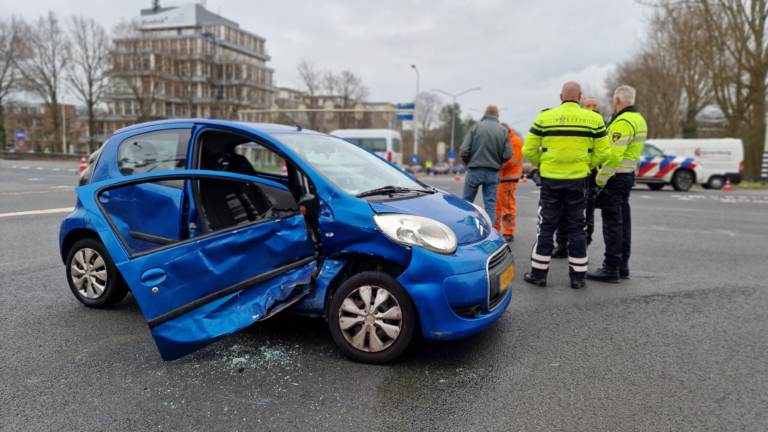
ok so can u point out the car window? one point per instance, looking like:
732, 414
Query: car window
651, 150
347, 166
154, 152
395, 145
261, 158
371, 144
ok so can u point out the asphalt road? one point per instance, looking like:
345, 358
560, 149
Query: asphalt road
681, 346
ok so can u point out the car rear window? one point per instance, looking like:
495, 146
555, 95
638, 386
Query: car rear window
154, 152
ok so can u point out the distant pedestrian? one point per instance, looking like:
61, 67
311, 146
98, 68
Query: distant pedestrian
561, 236
484, 150
627, 130
428, 167
506, 212
566, 143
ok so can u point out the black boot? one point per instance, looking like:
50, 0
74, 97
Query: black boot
605, 273
578, 281
561, 251
624, 269
536, 279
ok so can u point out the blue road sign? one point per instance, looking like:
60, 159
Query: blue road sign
451, 155
404, 117
21, 134
414, 160
406, 106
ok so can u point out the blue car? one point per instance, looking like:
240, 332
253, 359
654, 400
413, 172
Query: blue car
215, 225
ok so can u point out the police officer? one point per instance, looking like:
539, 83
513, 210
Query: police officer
627, 132
565, 143
561, 235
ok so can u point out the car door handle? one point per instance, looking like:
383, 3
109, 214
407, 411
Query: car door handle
153, 276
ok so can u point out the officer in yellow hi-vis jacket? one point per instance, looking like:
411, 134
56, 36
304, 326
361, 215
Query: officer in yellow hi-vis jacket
565, 143
627, 131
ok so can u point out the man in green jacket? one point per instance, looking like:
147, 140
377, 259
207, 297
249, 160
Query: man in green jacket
565, 143
484, 150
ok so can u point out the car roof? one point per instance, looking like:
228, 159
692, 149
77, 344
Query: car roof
268, 128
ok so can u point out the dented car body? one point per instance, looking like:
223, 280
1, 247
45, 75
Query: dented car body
198, 220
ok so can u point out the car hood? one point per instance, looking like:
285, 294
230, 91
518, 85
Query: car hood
460, 216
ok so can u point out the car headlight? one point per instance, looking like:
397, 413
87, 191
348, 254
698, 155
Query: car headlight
485, 215
417, 231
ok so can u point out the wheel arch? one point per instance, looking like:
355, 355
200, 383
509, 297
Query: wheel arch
73, 237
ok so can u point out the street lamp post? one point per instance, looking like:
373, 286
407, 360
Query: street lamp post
416, 115
453, 109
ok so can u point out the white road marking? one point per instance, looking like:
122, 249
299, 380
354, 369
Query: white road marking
56, 169
24, 167
35, 212
39, 168
44, 191
33, 179
72, 170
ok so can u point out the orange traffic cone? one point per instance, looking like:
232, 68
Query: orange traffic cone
727, 187
458, 178
83, 163
284, 171
525, 178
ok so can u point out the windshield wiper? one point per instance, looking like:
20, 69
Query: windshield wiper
389, 190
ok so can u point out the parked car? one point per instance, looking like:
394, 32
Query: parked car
458, 169
657, 169
413, 169
209, 240
719, 158
441, 169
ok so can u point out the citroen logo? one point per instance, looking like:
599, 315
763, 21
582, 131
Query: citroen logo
480, 226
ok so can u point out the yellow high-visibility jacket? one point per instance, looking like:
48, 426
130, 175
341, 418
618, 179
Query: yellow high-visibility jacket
567, 142
627, 132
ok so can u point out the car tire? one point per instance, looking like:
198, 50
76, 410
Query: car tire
351, 319
716, 182
656, 186
96, 282
683, 180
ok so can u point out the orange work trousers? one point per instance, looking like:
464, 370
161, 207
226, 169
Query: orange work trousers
505, 208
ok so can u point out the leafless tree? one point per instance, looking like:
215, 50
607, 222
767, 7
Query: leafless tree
430, 105
86, 74
312, 81
131, 71
347, 89
13, 49
44, 68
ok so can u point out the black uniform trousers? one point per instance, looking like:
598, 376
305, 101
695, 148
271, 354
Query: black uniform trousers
561, 235
557, 197
617, 220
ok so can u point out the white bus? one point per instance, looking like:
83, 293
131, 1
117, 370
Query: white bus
384, 142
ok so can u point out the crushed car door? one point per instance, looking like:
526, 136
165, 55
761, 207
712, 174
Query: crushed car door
246, 256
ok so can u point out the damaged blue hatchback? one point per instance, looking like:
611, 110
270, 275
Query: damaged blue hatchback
215, 225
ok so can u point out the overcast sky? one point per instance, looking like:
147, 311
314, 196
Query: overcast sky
519, 52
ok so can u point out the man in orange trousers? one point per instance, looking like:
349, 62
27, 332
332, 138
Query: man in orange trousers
505, 195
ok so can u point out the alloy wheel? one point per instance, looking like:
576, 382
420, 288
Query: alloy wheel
89, 273
370, 318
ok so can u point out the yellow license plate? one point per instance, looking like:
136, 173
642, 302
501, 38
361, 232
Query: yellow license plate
506, 277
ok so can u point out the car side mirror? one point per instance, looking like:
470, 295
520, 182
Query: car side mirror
308, 206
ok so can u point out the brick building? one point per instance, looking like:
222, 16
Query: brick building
35, 120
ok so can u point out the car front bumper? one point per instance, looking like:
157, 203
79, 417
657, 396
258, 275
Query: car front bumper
431, 280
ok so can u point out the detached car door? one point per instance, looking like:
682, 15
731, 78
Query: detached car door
232, 251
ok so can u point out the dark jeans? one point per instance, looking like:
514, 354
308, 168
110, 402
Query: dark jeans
489, 180
558, 197
561, 236
617, 219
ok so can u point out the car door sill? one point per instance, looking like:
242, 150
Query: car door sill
181, 310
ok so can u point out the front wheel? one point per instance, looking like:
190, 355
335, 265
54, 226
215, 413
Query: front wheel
92, 276
683, 180
372, 318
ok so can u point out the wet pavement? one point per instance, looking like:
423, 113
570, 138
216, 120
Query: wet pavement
680, 346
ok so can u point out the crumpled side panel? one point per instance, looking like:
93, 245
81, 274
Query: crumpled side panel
314, 303
217, 320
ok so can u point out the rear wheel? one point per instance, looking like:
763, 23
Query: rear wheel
92, 276
372, 318
683, 180
656, 186
716, 182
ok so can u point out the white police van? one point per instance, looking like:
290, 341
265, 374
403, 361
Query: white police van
718, 158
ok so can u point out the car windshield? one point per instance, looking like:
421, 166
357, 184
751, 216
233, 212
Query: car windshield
346, 165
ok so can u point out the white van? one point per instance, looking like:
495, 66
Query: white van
719, 158
384, 142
